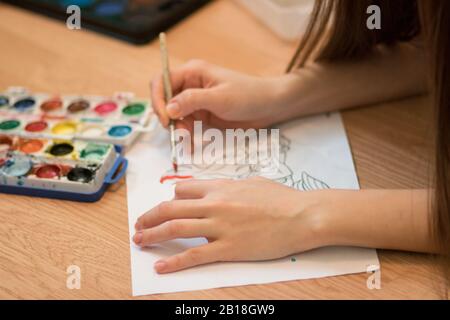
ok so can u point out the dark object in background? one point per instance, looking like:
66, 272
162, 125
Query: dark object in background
135, 21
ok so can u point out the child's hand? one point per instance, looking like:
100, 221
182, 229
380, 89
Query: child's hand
254, 219
219, 97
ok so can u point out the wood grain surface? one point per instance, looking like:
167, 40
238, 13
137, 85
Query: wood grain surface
40, 238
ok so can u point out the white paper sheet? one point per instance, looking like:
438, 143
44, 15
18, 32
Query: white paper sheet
318, 156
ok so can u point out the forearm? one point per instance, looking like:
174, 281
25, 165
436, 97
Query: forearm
385, 219
387, 74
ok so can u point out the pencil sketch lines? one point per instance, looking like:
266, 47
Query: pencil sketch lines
280, 172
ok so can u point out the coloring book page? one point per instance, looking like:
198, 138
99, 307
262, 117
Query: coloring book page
314, 154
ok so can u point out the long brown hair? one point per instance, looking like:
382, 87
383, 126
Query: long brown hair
347, 36
435, 16
338, 31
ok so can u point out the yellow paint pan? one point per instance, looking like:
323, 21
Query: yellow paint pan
65, 128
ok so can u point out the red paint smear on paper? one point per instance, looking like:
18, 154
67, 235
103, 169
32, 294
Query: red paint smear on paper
174, 177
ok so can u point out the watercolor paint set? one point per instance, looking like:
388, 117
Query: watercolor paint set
70, 170
117, 120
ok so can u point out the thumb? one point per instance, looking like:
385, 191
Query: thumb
189, 101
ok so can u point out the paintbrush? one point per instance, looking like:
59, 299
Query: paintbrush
168, 95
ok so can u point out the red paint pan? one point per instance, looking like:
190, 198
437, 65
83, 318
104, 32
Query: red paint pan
48, 171
5, 143
36, 126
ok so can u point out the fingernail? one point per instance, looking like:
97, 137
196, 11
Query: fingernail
173, 109
138, 226
137, 238
160, 266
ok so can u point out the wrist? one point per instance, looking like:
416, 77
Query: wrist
311, 225
325, 224
283, 97
339, 214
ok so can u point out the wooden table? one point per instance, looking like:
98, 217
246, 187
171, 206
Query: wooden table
40, 238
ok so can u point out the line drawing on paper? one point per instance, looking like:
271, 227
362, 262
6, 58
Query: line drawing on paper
281, 173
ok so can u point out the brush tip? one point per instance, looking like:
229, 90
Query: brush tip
175, 167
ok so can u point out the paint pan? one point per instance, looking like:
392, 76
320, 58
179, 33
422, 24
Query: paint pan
24, 104
52, 105
16, 167
78, 106
64, 128
80, 175
105, 108
9, 125
92, 131
36, 126
30, 145
119, 131
48, 171
94, 151
61, 149
134, 109
4, 101
5, 143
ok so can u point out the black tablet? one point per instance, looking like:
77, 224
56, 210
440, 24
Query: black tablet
136, 21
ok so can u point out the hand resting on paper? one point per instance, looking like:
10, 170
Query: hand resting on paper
258, 219
254, 219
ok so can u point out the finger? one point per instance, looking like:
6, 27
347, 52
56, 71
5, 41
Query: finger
192, 189
191, 100
170, 210
158, 93
197, 189
204, 254
158, 100
189, 75
175, 229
